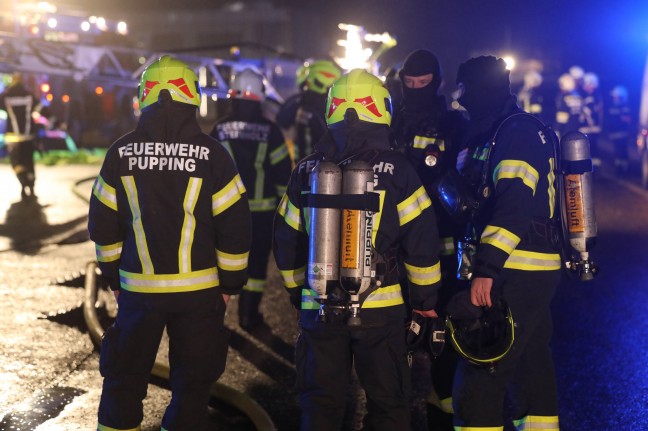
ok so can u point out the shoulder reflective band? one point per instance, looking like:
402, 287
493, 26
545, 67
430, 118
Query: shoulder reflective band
369, 201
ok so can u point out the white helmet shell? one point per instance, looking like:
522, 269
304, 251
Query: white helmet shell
576, 72
532, 79
566, 82
590, 80
247, 85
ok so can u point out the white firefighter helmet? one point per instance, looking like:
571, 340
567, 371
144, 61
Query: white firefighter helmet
576, 72
590, 80
566, 82
247, 85
619, 93
532, 79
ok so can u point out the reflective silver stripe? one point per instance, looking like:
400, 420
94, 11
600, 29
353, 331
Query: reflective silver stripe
533, 261
105, 193
262, 150
169, 283
516, 169
138, 228
562, 117
228, 195
108, 253
290, 213
255, 285
189, 224
500, 238
421, 142
13, 102
294, 278
447, 246
232, 262
423, 275
267, 204
546, 423
278, 154
413, 206
387, 296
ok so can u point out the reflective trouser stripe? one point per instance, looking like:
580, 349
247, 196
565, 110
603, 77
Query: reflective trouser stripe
105, 428
545, 423
479, 428
255, 285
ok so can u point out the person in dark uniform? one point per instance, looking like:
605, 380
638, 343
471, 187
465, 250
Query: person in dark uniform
20, 133
257, 146
358, 115
430, 136
618, 126
171, 223
516, 258
569, 106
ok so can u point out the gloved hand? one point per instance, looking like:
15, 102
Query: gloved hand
427, 333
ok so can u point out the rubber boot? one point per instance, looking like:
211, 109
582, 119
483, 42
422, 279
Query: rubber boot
248, 309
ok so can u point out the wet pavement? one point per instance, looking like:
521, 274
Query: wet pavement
49, 378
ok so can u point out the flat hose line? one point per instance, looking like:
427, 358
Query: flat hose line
237, 399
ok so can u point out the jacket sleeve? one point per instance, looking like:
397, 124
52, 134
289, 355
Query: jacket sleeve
420, 244
517, 162
290, 241
103, 221
232, 224
280, 163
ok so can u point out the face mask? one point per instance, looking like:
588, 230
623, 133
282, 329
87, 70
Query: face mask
419, 98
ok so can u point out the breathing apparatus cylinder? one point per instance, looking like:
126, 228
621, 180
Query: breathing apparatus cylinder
324, 238
577, 202
356, 238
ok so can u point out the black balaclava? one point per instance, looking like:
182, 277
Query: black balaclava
418, 63
486, 85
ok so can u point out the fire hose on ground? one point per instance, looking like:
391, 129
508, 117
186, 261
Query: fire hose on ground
220, 392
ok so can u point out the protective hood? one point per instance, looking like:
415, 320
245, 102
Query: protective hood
418, 63
344, 140
486, 85
169, 122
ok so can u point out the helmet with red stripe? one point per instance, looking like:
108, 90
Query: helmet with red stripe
172, 75
363, 92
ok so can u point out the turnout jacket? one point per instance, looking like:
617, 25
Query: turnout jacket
514, 222
19, 104
257, 146
168, 211
405, 221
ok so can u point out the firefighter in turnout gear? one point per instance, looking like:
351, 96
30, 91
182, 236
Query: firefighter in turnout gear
430, 136
358, 115
170, 219
309, 121
261, 156
510, 167
20, 135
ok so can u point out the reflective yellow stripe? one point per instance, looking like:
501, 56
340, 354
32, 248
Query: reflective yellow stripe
446, 405
290, 213
447, 246
105, 428
562, 117
457, 428
294, 278
308, 300
262, 150
423, 275
168, 283
228, 195
232, 262
501, 238
421, 142
189, 224
278, 154
259, 205
532, 261
105, 193
138, 228
108, 253
546, 423
12, 138
551, 177
255, 285
509, 169
413, 206
387, 296
535, 108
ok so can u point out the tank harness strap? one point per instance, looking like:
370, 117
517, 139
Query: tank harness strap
369, 201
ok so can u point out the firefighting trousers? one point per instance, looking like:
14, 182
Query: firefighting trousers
259, 250
21, 155
324, 359
526, 374
197, 354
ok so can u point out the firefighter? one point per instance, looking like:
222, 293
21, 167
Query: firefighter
510, 168
530, 97
619, 126
285, 118
569, 106
308, 119
358, 115
171, 223
20, 133
430, 136
257, 146
591, 120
